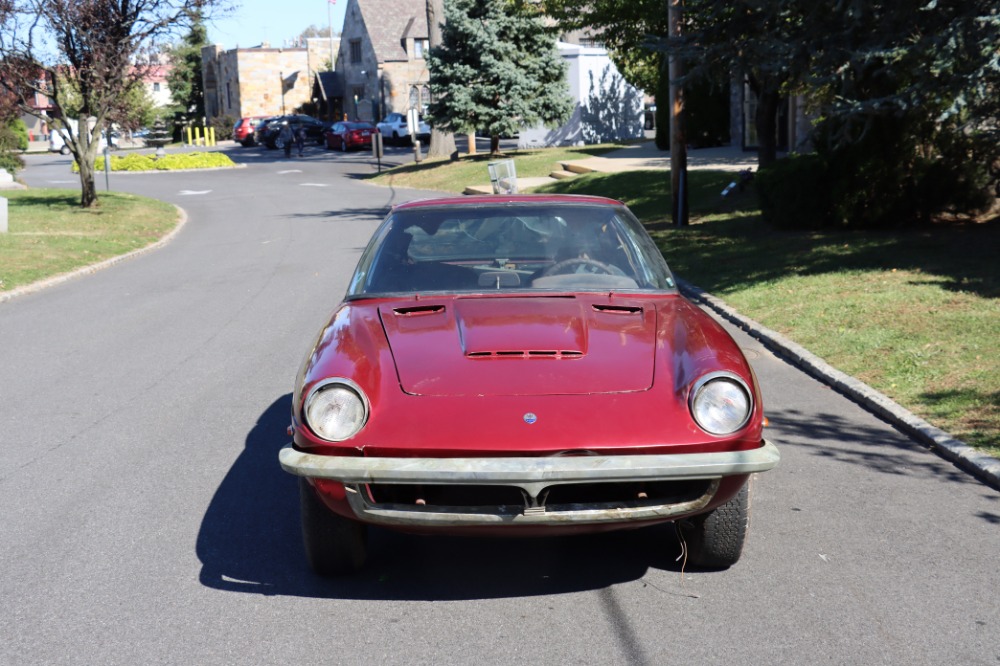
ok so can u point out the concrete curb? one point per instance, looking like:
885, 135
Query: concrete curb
93, 268
985, 468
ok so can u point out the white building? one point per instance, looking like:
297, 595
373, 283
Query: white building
607, 107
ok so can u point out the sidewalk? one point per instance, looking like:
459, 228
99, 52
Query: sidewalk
641, 156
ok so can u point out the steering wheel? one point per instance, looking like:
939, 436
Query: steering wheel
582, 265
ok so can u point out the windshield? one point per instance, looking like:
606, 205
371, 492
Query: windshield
547, 247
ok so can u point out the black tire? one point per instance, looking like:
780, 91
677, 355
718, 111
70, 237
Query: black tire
343, 146
334, 545
64, 150
395, 138
715, 540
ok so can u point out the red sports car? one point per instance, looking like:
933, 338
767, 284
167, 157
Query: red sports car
521, 365
350, 135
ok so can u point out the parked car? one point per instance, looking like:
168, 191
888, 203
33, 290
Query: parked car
245, 129
347, 135
268, 131
394, 128
521, 365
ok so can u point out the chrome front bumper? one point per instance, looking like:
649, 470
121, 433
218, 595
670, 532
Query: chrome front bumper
532, 475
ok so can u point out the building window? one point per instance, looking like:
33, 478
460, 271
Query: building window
355, 50
156, 87
418, 48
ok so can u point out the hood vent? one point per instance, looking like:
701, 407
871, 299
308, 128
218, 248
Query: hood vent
618, 309
525, 354
418, 310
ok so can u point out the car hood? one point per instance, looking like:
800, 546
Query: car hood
520, 346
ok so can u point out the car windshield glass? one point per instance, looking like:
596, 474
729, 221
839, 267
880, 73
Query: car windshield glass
535, 247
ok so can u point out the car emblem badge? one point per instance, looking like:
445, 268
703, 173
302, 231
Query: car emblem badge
530, 418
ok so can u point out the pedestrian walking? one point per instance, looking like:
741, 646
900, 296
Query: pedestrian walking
300, 139
285, 138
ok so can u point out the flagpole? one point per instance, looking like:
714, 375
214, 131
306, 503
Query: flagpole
329, 9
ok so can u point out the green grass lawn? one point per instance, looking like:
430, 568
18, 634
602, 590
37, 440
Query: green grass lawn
454, 176
914, 314
48, 232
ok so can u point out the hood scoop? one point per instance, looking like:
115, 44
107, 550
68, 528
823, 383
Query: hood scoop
520, 346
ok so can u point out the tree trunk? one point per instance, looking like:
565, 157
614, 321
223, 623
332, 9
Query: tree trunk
767, 128
442, 143
678, 131
494, 144
86, 153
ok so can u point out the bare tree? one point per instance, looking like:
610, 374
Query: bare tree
86, 56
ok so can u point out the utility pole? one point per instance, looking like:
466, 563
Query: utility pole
442, 143
678, 141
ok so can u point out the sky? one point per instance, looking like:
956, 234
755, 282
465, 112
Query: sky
257, 21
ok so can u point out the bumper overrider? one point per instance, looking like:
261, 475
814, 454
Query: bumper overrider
534, 476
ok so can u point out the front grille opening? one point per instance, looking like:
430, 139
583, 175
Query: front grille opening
626, 494
447, 495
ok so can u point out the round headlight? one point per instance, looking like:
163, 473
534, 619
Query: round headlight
336, 410
721, 403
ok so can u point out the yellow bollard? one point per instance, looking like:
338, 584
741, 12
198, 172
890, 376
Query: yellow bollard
188, 136
211, 133
197, 136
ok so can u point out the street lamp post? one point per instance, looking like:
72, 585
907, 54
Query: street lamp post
281, 76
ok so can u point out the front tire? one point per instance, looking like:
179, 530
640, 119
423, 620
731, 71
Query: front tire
715, 540
334, 545
343, 145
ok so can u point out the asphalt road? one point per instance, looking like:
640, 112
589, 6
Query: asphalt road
145, 519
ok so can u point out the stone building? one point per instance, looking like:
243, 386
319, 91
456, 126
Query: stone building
261, 81
381, 63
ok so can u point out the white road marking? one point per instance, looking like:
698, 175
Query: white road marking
185, 193
281, 173
314, 184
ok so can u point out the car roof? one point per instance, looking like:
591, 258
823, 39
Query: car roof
511, 199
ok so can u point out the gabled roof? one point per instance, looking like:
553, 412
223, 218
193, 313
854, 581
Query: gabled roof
389, 22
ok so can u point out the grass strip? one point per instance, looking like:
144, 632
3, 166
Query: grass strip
49, 233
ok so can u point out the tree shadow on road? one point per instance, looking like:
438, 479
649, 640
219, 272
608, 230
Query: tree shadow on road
879, 448
250, 542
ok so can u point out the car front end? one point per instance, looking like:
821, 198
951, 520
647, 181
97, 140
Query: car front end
544, 396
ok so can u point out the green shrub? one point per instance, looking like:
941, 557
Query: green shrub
223, 127
794, 193
10, 142
169, 162
898, 172
20, 130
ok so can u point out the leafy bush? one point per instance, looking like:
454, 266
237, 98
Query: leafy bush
9, 143
794, 193
20, 130
169, 162
223, 127
886, 177
901, 172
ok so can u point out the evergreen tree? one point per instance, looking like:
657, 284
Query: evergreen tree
497, 70
184, 79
